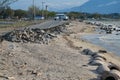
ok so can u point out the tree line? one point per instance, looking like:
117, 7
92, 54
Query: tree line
7, 12
19, 13
80, 15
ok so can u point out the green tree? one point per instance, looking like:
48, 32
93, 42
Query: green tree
73, 15
51, 14
5, 3
20, 13
96, 16
7, 13
31, 11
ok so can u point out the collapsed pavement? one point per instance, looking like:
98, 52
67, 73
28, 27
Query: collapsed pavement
36, 34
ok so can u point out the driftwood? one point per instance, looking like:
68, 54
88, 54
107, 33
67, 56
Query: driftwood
112, 75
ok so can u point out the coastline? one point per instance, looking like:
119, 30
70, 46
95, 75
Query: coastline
85, 44
61, 59
82, 40
109, 45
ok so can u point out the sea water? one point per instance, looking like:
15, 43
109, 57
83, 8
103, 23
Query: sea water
106, 41
110, 42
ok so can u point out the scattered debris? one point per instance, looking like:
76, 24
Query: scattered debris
35, 35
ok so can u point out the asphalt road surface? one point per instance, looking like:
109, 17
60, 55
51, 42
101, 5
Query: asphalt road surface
48, 24
43, 25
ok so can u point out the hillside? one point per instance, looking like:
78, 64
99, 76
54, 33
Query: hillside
99, 6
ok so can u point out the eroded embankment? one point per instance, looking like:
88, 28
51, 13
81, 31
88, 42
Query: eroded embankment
66, 57
108, 66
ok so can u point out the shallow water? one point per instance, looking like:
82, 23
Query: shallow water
109, 42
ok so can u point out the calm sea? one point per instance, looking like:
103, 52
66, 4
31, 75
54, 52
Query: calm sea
110, 42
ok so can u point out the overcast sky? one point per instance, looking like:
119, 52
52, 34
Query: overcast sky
53, 4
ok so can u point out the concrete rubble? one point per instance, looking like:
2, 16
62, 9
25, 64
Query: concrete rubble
34, 35
108, 28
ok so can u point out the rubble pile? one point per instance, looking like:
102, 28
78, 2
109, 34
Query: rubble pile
35, 35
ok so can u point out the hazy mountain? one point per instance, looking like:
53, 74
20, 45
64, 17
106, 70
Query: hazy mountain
99, 6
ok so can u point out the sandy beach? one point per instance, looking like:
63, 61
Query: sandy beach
61, 59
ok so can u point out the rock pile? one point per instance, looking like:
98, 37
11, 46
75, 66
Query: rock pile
108, 28
34, 35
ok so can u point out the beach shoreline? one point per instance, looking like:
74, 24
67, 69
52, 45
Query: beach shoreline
62, 59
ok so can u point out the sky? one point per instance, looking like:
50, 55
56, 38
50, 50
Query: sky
52, 4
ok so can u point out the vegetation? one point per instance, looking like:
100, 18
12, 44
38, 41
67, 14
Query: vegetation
5, 3
78, 15
18, 14
6, 13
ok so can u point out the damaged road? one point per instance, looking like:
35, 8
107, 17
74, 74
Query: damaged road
39, 33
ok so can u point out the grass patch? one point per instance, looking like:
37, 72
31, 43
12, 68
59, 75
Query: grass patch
17, 25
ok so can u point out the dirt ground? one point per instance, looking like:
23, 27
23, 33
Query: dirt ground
61, 59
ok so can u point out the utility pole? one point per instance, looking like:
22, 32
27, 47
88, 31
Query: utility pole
43, 8
46, 8
33, 10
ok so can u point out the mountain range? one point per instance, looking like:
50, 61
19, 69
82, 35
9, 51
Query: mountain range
97, 6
